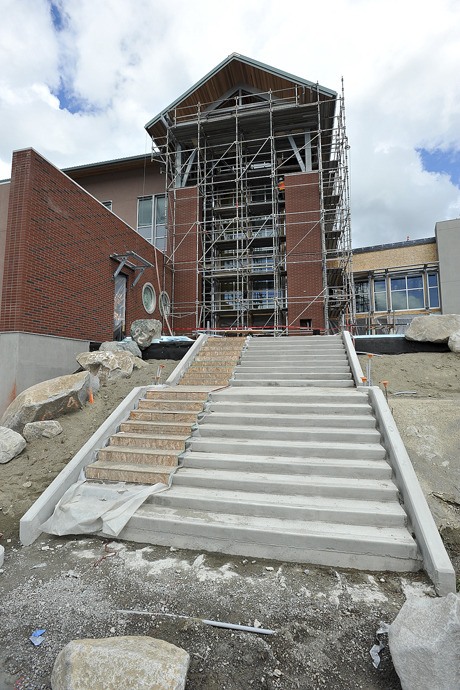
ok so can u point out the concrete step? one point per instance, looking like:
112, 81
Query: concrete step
290, 368
155, 441
175, 394
304, 410
128, 472
284, 448
276, 375
143, 456
213, 367
139, 427
276, 432
333, 467
352, 546
255, 416
323, 383
200, 379
317, 508
292, 396
160, 415
272, 483
171, 404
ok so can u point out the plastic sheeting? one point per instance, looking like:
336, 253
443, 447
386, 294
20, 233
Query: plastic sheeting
89, 508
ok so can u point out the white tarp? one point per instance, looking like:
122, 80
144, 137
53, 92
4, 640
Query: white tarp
89, 508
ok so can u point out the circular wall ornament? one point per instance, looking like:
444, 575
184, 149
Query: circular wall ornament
149, 298
164, 304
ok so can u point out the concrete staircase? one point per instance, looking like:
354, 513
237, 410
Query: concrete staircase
306, 361
295, 473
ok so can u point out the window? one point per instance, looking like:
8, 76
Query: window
407, 292
380, 295
362, 296
433, 290
151, 220
149, 298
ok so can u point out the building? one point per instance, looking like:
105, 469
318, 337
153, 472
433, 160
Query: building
238, 219
395, 282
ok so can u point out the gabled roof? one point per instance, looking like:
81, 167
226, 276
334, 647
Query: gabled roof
238, 70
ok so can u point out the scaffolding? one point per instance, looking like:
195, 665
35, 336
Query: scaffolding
239, 154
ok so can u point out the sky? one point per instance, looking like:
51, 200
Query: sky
79, 79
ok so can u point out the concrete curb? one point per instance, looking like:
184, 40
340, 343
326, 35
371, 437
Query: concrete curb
435, 559
353, 360
42, 509
186, 361
2, 555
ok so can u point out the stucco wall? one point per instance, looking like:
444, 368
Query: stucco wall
448, 240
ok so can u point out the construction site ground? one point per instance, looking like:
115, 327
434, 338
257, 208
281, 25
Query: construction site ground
325, 619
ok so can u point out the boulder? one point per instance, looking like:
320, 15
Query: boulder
131, 663
47, 429
423, 643
107, 366
139, 363
49, 399
454, 342
434, 328
143, 331
11, 444
122, 345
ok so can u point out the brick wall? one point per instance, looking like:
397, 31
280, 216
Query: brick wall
184, 215
410, 255
58, 271
303, 250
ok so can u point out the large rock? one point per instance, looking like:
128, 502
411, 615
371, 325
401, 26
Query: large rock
11, 444
124, 345
107, 366
454, 342
424, 643
434, 328
49, 400
48, 429
143, 331
130, 663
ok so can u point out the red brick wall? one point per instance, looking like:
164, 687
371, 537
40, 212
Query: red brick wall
184, 212
58, 271
303, 250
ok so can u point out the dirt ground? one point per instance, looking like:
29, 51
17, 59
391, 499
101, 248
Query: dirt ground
325, 620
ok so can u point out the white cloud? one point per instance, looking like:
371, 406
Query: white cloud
124, 61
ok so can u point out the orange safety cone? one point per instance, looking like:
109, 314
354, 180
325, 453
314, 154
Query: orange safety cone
90, 396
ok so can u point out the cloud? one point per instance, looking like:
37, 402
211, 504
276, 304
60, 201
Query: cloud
79, 79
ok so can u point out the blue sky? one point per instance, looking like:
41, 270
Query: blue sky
80, 78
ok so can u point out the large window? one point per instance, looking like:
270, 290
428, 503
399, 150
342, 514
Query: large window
433, 290
407, 293
362, 296
380, 295
151, 220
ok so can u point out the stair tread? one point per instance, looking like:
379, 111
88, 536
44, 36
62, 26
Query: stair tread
131, 467
144, 451
285, 460
253, 497
334, 445
209, 426
132, 434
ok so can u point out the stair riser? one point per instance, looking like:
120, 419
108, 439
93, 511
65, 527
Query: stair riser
144, 531
278, 511
138, 458
217, 416
215, 369
298, 450
217, 381
299, 383
152, 428
284, 410
293, 369
137, 441
289, 488
349, 399
127, 476
288, 434
275, 375
275, 467
170, 394
154, 406
296, 349
146, 416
